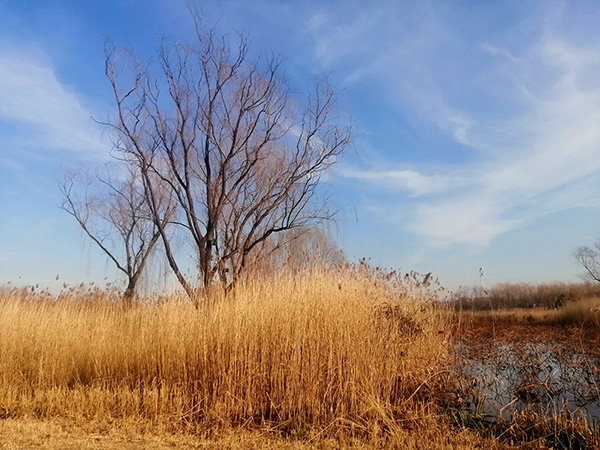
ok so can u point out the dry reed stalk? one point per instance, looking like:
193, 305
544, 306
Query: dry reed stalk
311, 349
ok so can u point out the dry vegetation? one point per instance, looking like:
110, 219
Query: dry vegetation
583, 312
576, 304
335, 353
20, 434
523, 295
352, 358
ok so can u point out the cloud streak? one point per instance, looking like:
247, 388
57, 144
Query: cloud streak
411, 181
526, 123
556, 143
43, 112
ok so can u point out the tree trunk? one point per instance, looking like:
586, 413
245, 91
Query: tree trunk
129, 294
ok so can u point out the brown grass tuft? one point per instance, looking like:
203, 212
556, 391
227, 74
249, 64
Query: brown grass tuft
331, 350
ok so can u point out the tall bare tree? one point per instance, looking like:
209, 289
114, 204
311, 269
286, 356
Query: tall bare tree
113, 213
220, 131
589, 259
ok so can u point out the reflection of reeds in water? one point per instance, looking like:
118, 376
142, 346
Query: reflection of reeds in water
548, 379
530, 391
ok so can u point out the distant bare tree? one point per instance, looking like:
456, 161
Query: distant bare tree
301, 249
589, 259
114, 214
218, 129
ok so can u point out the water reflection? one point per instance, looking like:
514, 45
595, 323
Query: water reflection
536, 376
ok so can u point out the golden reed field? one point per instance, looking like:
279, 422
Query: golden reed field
328, 359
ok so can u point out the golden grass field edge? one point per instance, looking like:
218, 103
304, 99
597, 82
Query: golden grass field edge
314, 349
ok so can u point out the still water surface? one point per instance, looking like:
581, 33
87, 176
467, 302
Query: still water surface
535, 376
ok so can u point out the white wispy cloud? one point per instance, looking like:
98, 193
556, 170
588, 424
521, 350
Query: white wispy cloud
43, 112
471, 219
413, 182
537, 134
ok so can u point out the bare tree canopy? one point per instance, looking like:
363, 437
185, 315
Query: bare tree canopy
302, 249
219, 130
589, 259
113, 213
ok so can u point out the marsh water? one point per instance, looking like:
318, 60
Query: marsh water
548, 379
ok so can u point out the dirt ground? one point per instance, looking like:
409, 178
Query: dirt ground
53, 435
64, 435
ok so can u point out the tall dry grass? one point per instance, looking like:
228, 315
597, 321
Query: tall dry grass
329, 348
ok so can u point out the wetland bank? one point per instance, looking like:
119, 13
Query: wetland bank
300, 361
549, 370
234, 174
523, 355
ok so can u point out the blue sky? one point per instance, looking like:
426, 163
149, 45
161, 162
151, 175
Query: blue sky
477, 125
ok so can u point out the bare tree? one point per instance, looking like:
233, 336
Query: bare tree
219, 130
113, 213
301, 249
589, 259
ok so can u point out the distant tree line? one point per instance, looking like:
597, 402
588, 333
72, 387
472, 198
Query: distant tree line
522, 295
